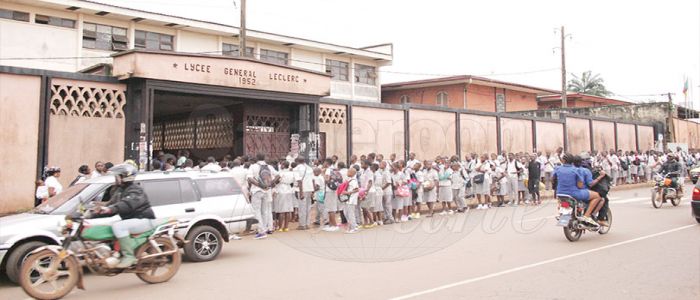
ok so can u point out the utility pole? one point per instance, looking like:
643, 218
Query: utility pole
671, 130
563, 70
242, 32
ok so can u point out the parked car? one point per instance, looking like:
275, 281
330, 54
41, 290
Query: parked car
695, 202
210, 205
694, 174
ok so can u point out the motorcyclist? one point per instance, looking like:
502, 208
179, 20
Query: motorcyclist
129, 201
571, 183
592, 181
672, 168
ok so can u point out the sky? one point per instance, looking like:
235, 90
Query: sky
641, 48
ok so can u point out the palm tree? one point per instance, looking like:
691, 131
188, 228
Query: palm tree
588, 84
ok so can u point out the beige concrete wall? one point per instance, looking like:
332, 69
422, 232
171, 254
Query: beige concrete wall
432, 133
550, 136
45, 41
336, 134
189, 41
578, 134
645, 134
603, 135
626, 137
19, 118
687, 132
75, 141
377, 130
478, 134
516, 135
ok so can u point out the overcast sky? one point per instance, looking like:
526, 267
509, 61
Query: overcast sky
638, 47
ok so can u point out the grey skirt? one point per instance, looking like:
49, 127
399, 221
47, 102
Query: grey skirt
283, 203
445, 194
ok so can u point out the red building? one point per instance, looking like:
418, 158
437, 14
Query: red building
576, 100
465, 92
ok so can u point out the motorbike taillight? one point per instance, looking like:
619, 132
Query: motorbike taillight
565, 204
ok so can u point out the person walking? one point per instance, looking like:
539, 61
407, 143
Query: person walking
304, 176
533, 179
262, 178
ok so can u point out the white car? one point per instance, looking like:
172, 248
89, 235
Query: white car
211, 207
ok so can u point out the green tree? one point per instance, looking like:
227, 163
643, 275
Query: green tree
588, 84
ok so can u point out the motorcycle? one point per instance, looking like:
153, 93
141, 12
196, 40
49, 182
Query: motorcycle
571, 218
664, 191
51, 272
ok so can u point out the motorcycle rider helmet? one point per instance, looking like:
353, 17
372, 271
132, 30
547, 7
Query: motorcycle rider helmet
126, 171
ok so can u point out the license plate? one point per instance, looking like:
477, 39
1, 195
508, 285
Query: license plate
564, 220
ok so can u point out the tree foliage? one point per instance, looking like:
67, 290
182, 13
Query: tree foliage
588, 84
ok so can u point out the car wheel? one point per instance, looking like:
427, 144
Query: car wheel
17, 257
204, 243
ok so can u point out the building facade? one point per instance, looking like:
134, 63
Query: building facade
465, 92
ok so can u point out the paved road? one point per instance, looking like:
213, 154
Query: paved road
505, 253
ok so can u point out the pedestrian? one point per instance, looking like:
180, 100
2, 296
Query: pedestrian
350, 197
445, 187
501, 186
533, 179
54, 186
398, 184
304, 177
512, 171
212, 165
83, 174
388, 192
458, 179
377, 194
333, 179
366, 196
482, 182
430, 186
283, 203
262, 178
42, 193
319, 196
99, 170
523, 193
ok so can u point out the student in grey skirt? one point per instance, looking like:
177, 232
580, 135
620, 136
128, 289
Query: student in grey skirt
430, 186
283, 202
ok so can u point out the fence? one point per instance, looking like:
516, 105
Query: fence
428, 131
687, 132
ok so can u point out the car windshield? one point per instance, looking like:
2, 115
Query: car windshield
67, 200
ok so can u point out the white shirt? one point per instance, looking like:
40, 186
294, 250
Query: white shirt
95, 174
305, 174
320, 182
353, 185
447, 174
52, 182
365, 178
457, 179
42, 192
286, 181
411, 163
254, 173
212, 167
239, 174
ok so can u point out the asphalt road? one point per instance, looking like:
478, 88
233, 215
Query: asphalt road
504, 253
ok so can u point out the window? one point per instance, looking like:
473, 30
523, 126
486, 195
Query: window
216, 187
153, 41
338, 69
365, 74
405, 99
162, 192
54, 21
97, 36
232, 50
275, 57
442, 99
14, 15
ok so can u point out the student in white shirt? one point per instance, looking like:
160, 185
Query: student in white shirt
378, 194
388, 193
351, 192
54, 186
261, 184
319, 195
283, 204
430, 186
304, 177
458, 180
99, 170
367, 197
445, 188
331, 199
212, 165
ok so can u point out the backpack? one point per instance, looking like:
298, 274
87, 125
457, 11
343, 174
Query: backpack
335, 180
413, 182
341, 189
265, 177
623, 165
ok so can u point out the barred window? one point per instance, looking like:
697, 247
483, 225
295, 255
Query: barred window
153, 41
339, 70
442, 99
405, 99
365, 74
98, 36
276, 57
14, 15
232, 50
54, 21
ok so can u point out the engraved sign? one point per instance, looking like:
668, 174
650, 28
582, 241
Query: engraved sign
221, 71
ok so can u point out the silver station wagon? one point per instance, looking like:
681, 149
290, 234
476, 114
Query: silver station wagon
211, 207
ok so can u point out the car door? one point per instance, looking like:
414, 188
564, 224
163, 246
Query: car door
165, 196
223, 197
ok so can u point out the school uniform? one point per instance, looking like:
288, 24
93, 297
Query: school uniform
351, 204
398, 179
283, 201
331, 202
376, 192
430, 196
445, 184
365, 180
457, 180
420, 177
483, 188
321, 213
388, 195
